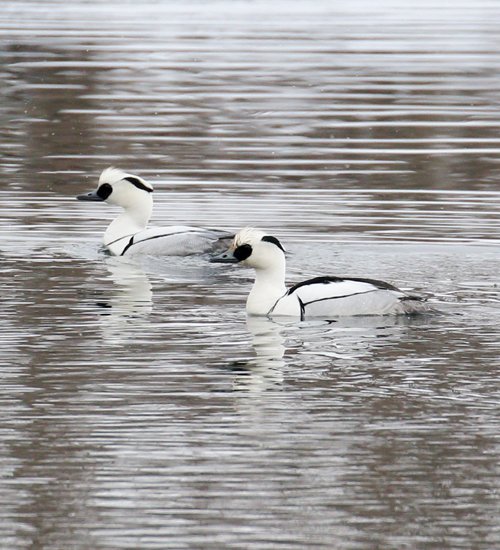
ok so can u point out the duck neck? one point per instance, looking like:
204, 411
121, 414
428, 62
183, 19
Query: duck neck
133, 219
268, 287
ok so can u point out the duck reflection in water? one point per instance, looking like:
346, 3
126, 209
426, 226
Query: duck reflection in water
327, 344
265, 370
129, 303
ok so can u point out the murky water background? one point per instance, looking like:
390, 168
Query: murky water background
139, 407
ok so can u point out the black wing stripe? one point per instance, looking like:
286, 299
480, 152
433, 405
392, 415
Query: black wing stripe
302, 309
131, 242
169, 235
380, 285
338, 297
119, 239
275, 304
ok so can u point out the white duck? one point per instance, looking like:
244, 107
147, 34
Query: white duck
127, 234
324, 297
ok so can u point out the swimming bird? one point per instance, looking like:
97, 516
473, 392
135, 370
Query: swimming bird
323, 297
128, 233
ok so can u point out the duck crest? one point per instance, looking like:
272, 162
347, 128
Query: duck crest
113, 175
248, 235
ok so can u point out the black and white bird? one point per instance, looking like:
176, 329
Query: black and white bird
128, 233
323, 297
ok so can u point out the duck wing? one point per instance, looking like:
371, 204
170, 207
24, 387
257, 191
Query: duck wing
334, 296
177, 240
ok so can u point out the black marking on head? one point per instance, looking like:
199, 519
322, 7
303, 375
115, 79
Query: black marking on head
104, 191
274, 240
326, 280
242, 252
137, 182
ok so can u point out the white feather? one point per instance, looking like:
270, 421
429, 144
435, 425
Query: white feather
128, 234
321, 297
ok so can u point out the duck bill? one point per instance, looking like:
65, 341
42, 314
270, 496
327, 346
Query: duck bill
224, 258
92, 196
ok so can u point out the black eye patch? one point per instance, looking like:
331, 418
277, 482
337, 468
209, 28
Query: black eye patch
104, 191
242, 252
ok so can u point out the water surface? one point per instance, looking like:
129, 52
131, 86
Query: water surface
141, 409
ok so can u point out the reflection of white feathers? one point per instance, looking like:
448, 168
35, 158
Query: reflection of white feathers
265, 371
129, 303
133, 293
267, 340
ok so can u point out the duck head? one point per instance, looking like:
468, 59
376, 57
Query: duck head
253, 248
265, 254
119, 188
130, 192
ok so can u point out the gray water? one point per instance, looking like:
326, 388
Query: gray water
140, 408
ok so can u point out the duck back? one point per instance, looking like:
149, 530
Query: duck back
335, 297
177, 240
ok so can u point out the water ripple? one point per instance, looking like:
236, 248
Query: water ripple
140, 407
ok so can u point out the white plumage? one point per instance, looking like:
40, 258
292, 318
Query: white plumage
128, 233
323, 297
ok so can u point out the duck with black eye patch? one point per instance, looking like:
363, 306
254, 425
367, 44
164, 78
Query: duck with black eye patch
128, 234
321, 297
